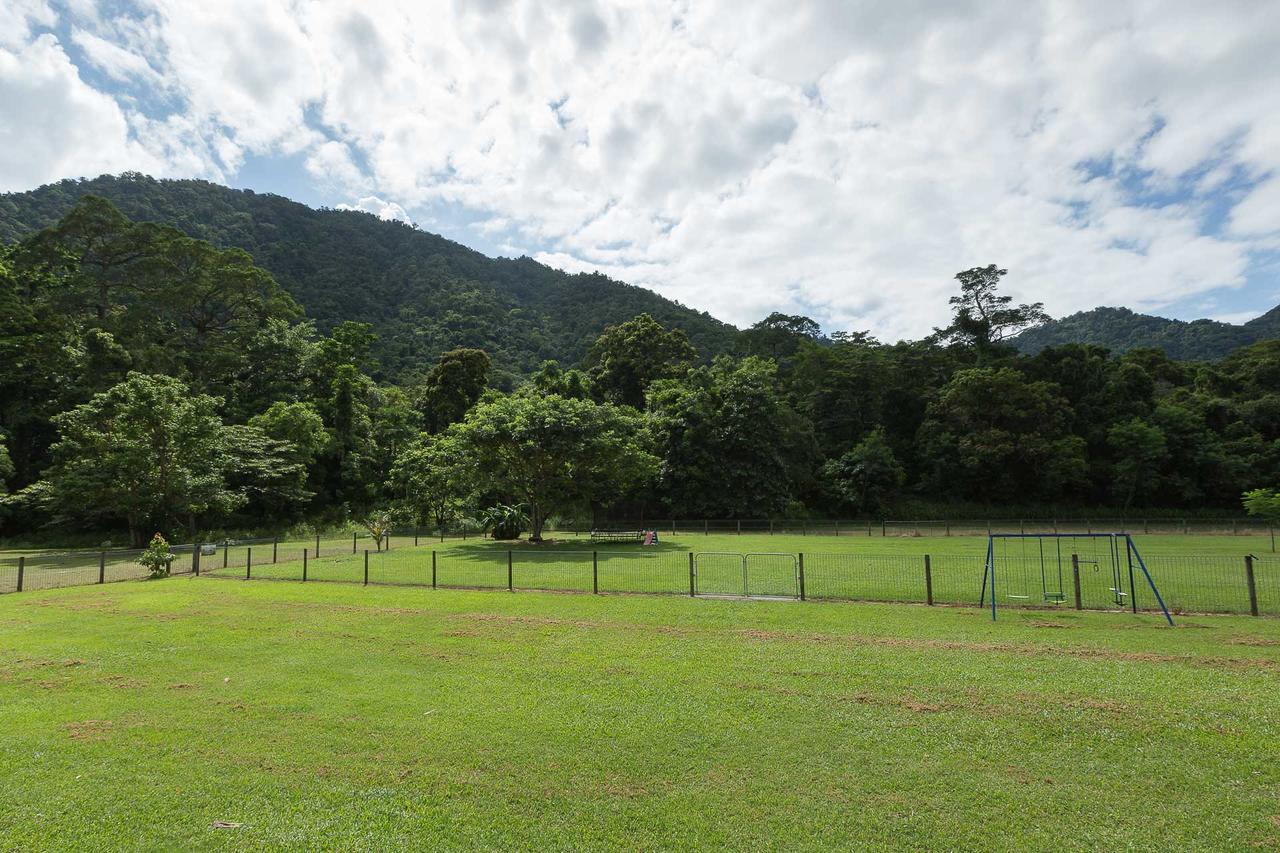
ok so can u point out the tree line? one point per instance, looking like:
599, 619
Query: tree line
151, 381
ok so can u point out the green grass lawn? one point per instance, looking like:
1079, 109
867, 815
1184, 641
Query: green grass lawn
338, 716
861, 568
1195, 573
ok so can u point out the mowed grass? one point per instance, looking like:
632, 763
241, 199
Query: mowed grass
338, 716
1194, 573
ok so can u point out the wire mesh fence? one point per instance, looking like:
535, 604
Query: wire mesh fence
929, 527
1091, 579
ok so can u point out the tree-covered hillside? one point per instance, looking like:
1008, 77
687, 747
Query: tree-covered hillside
1121, 330
423, 293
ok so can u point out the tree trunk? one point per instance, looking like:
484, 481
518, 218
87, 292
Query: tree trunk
535, 523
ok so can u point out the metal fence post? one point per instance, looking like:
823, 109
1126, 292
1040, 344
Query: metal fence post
353, 543
800, 563
433, 568
595, 572
366, 566
275, 545
248, 562
317, 545
304, 565
22, 564
1253, 589
1075, 579
928, 580
691, 587
102, 567
510, 574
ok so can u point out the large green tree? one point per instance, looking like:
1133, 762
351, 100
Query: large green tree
730, 446
147, 452
982, 317
435, 477
553, 453
993, 436
452, 386
627, 358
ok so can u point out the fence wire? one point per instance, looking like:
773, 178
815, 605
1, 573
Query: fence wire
1187, 583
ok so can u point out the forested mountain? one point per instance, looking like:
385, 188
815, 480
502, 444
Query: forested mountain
1121, 330
154, 381
423, 293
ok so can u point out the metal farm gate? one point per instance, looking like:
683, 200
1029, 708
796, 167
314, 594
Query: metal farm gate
746, 575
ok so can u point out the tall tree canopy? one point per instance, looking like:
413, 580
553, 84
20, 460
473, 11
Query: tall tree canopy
629, 357
452, 387
982, 316
553, 453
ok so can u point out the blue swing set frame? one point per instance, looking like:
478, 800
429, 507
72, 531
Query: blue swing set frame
1131, 553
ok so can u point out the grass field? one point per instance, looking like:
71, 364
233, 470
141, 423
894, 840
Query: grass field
1195, 573
338, 716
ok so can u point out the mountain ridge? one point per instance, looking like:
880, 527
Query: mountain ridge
423, 292
1122, 329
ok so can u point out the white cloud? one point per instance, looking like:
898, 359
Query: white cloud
832, 157
19, 19
115, 61
53, 125
378, 207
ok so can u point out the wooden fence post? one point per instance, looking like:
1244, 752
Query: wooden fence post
22, 565
304, 565
691, 585
275, 544
366, 566
433, 568
353, 543
1075, 579
195, 559
595, 572
1253, 589
317, 545
226, 546
928, 580
248, 562
510, 574
801, 568
102, 567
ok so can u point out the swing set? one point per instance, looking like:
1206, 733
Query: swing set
1038, 569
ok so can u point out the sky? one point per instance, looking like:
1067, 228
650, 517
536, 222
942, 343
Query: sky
841, 159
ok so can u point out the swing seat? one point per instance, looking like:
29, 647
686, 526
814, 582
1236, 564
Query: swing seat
1019, 597
1119, 592
1055, 597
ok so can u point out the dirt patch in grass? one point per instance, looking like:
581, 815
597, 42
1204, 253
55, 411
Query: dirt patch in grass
124, 682
89, 730
1045, 623
1259, 642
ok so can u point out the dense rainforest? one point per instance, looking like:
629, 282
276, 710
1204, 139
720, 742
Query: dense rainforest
1121, 330
425, 294
151, 379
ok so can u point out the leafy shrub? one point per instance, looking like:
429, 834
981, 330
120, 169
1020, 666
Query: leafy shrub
505, 521
157, 558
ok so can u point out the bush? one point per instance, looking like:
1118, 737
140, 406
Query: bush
157, 558
506, 522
